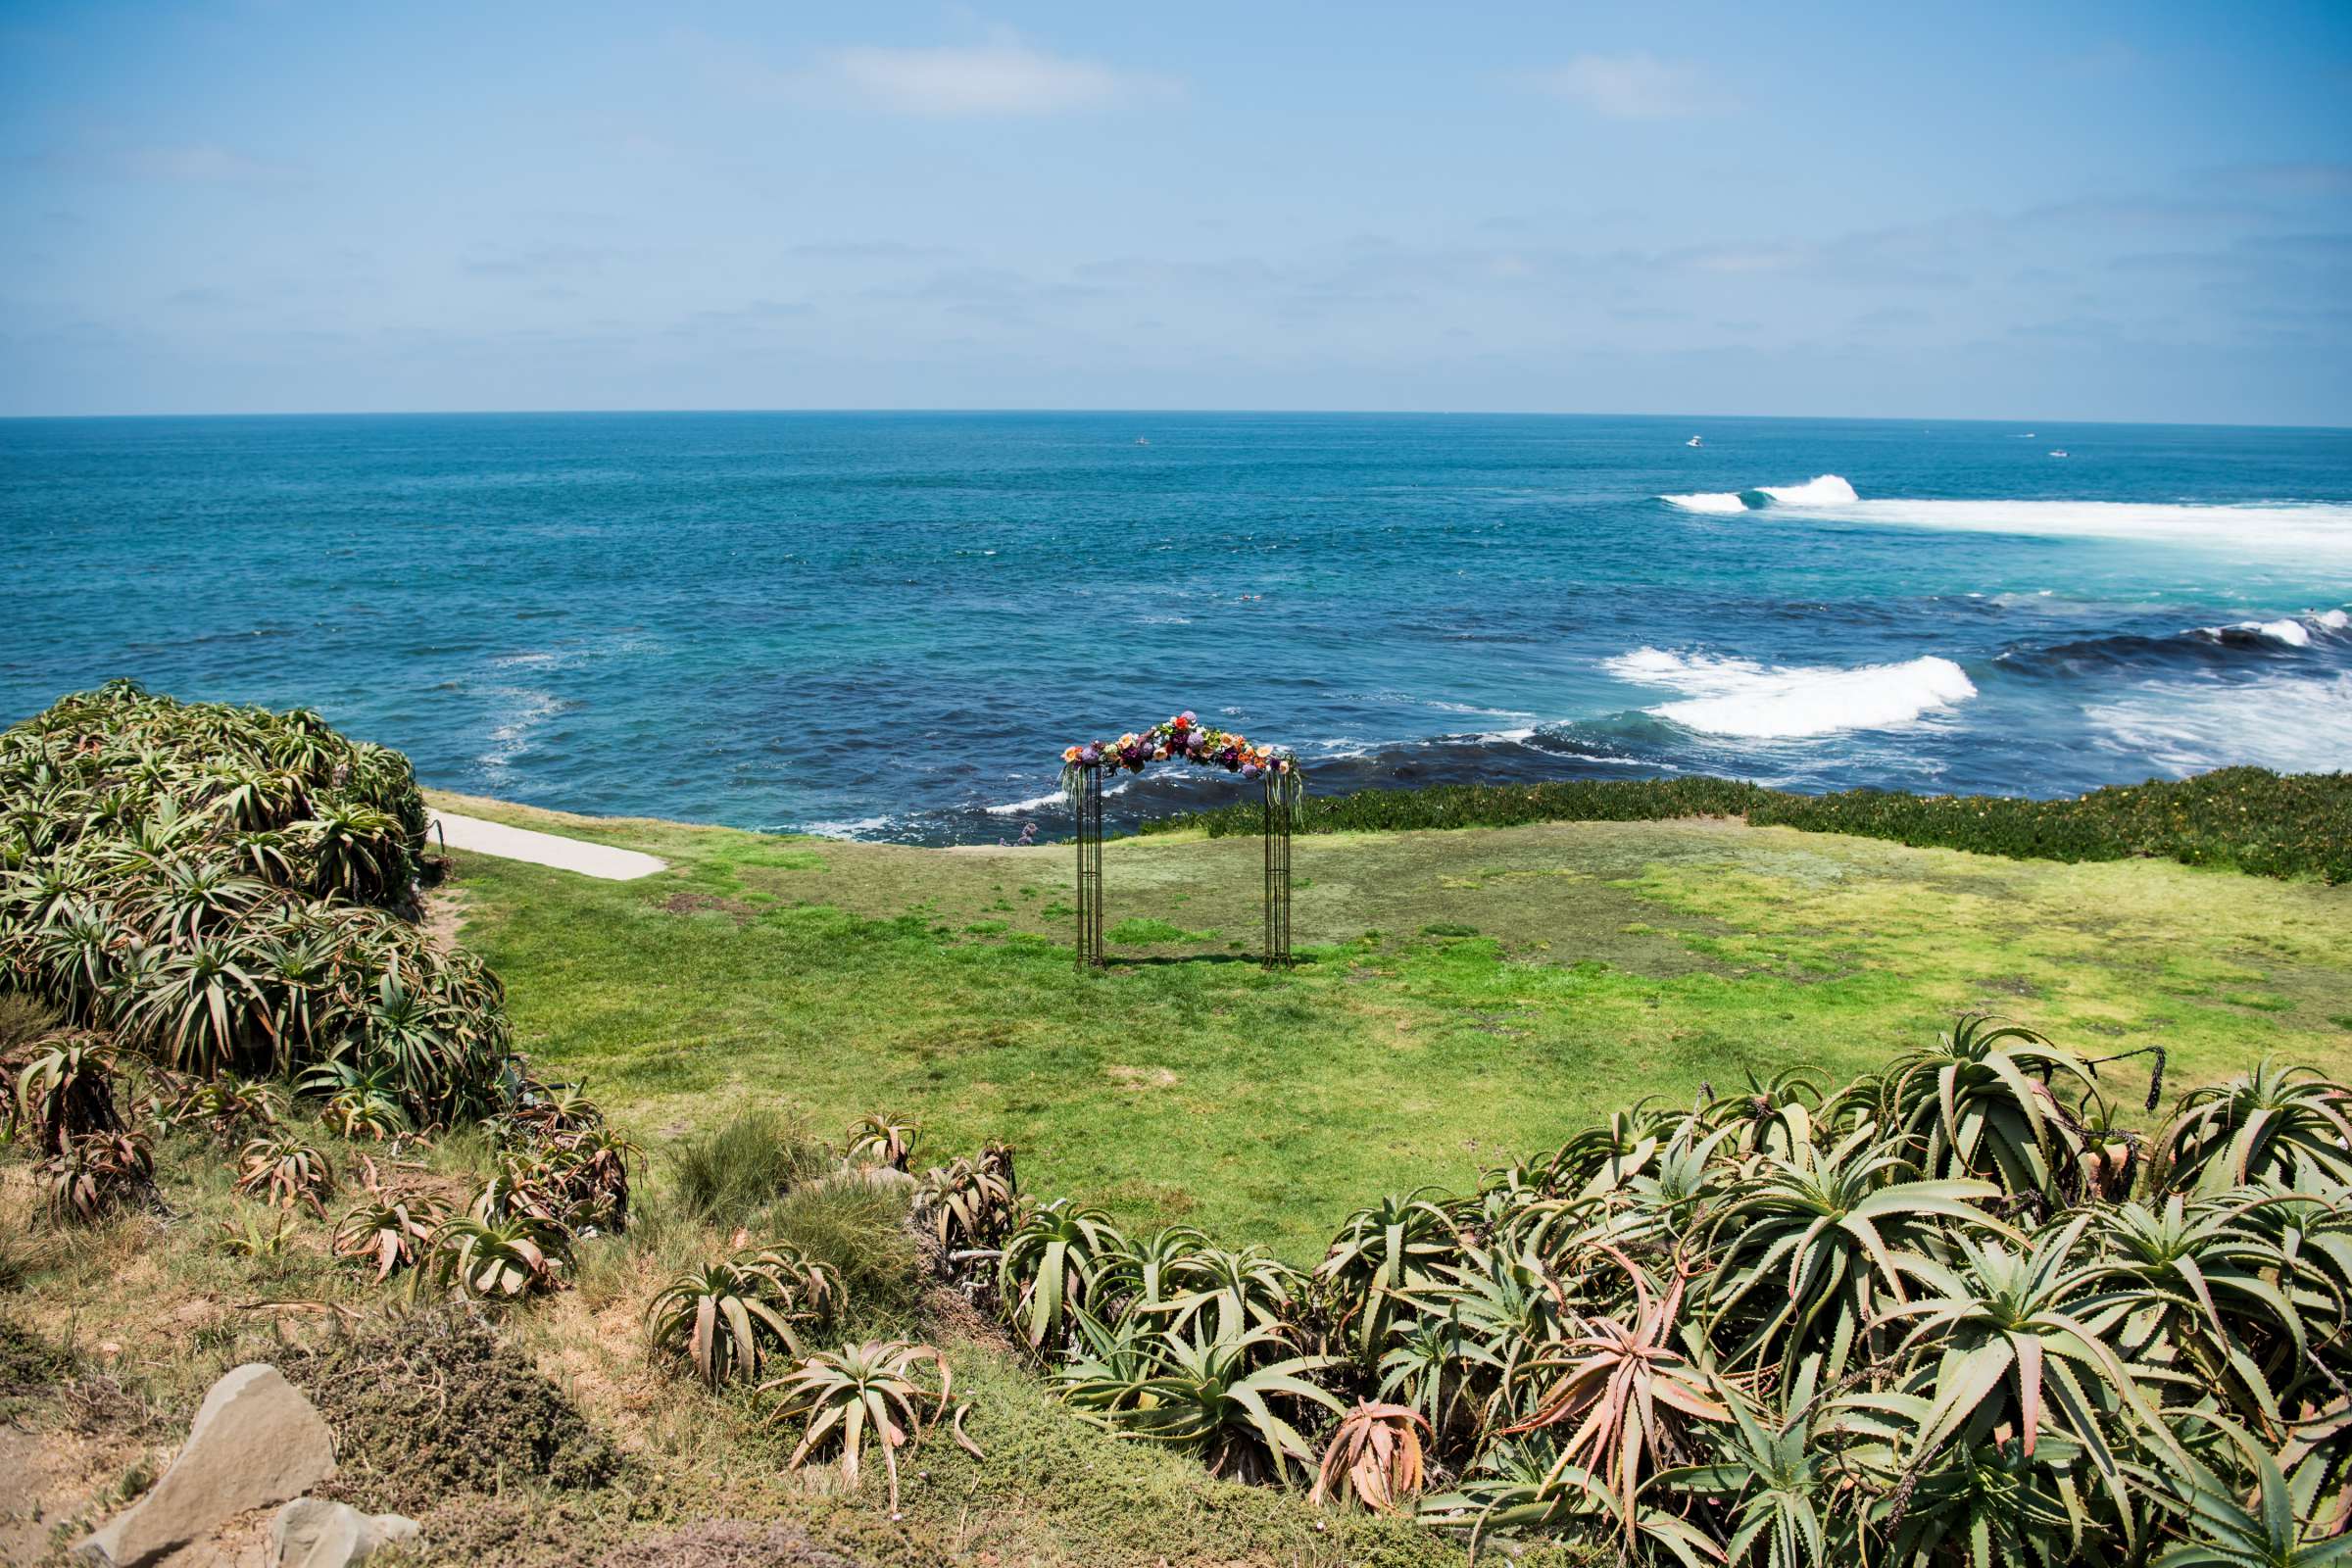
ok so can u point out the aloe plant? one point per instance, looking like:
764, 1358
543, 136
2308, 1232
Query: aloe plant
63, 1092
198, 1006
1770, 1477
2215, 1296
2270, 1122
882, 1139
1223, 1400
1240, 1289
1979, 1104
358, 1102
2286, 1519
1381, 1251
1805, 1245
1051, 1263
874, 1392
1375, 1459
94, 1175
285, 1170
2011, 1345
726, 1317
495, 1259
965, 1204
1623, 1390
390, 1230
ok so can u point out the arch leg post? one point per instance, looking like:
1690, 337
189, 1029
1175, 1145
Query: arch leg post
1277, 833
1089, 836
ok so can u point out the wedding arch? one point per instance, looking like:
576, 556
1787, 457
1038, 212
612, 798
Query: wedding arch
1183, 739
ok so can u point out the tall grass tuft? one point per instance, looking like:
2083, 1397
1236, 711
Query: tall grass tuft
727, 1174
858, 1226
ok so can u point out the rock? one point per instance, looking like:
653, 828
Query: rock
312, 1532
256, 1442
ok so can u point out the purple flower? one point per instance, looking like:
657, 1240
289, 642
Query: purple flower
1090, 754
1252, 771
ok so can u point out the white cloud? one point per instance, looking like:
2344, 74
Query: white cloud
999, 77
1634, 86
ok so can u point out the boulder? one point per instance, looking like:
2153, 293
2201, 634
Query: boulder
255, 1443
312, 1532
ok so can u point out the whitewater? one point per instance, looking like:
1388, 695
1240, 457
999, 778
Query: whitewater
2274, 528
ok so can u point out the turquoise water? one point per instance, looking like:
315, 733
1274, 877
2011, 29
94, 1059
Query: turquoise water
890, 625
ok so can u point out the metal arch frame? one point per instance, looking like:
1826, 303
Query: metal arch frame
1275, 819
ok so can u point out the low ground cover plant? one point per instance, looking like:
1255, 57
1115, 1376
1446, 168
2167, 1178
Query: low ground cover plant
2248, 818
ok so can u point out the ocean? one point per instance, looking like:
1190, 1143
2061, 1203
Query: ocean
888, 625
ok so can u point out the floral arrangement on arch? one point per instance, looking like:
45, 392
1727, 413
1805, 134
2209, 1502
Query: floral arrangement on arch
1186, 739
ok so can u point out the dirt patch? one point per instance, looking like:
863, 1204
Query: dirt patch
434, 1402
709, 904
70, 1438
726, 1544
444, 917
1141, 1077
27, 1486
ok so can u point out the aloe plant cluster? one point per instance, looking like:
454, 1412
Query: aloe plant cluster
218, 885
1952, 1311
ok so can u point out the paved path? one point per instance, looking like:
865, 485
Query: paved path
542, 848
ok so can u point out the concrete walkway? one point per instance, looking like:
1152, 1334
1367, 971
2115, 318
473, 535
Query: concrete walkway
541, 849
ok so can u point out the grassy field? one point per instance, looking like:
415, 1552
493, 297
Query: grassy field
1464, 997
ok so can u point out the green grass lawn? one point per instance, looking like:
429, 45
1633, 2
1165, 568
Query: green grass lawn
1464, 997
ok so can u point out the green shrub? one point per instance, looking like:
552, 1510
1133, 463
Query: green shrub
2248, 818
727, 1174
854, 1223
227, 887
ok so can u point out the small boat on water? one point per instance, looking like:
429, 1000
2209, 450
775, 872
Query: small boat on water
1143, 440
2057, 452
1693, 442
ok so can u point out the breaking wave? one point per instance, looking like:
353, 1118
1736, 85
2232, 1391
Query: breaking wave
1764, 702
1828, 490
1825, 490
1722, 500
2320, 526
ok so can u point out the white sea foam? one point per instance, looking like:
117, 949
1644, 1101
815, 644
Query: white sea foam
1054, 797
853, 828
1762, 702
1827, 490
2293, 631
2297, 726
2309, 528
1727, 501
1472, 707
521, 712
1035, 803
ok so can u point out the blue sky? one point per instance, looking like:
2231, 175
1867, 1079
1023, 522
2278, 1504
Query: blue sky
2091, 211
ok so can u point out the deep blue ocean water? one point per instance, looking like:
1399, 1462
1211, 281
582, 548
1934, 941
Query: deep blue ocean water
890, 625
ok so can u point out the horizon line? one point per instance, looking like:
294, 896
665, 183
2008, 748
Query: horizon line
1140, 413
